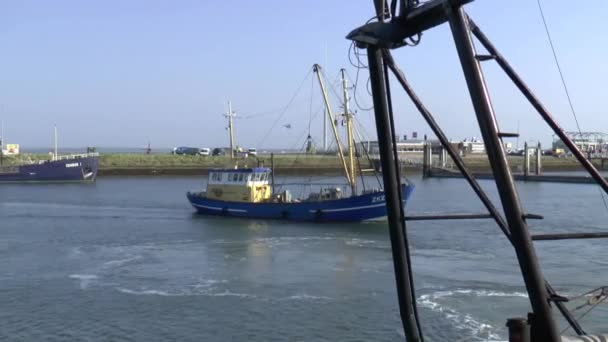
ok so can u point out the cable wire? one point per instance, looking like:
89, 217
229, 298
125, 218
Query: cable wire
561, 75
284, 109
559, 69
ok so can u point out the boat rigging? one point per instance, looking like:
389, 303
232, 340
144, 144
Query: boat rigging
251, 192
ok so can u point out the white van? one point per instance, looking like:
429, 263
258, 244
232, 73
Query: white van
252, 151
204, 151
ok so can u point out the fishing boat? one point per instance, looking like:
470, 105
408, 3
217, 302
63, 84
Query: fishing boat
247, 192
66, 168
250, 192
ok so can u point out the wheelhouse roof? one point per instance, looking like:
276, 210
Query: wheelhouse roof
242, 170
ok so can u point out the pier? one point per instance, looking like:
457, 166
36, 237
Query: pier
530, 170
443, 173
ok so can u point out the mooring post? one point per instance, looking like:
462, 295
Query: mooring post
539, 155
427, 158
442, 157
544, 327
425, 166
526, 161
519, 330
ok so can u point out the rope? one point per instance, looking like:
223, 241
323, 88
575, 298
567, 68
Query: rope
359, 65
594, 300
312, 86
561, 75
559, 69
600, 301
284, 110
369, 159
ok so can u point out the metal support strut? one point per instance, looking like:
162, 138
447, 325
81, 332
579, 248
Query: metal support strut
544, 328
392, 186
459, 162
534, 101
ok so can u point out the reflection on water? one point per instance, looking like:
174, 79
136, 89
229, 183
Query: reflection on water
139, 265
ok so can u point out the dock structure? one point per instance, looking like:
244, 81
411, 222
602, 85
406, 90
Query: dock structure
443, 173
440, 169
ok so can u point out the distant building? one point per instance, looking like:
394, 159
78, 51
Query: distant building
590, 142
472, 146
403, 146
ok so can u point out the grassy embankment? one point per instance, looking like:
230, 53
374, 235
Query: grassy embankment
159, 164
131, 164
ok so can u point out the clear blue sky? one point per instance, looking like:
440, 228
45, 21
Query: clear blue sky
120, 73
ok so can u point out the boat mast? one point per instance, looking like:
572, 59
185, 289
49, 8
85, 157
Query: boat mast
324, 131
349, 132
317, 70
230, 115
55, 154
324, 116
2, 142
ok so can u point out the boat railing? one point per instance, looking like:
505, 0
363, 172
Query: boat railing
77, 156
313, 184
303, 190
66, 157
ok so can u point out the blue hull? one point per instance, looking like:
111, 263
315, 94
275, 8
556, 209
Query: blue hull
77, 169
351, 209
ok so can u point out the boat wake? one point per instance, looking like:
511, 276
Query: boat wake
210, 291
476, 328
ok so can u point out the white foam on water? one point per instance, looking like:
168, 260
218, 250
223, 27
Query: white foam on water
209, 284
287, 240
204, 288
148, 292
305, 296
75, 252
359, 242
477, 293
121, 262
479, 331
230, 294
85, 279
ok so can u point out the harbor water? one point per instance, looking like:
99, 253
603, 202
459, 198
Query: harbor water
126, 259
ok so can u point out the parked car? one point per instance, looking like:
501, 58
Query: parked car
182, 150
219, 151
252, 151
519, 152
205, 151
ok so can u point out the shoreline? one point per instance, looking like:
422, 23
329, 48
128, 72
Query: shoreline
296, 171
112, 164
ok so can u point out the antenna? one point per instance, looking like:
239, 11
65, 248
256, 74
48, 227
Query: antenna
230, 115
56, 155
325, 118
2, 140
